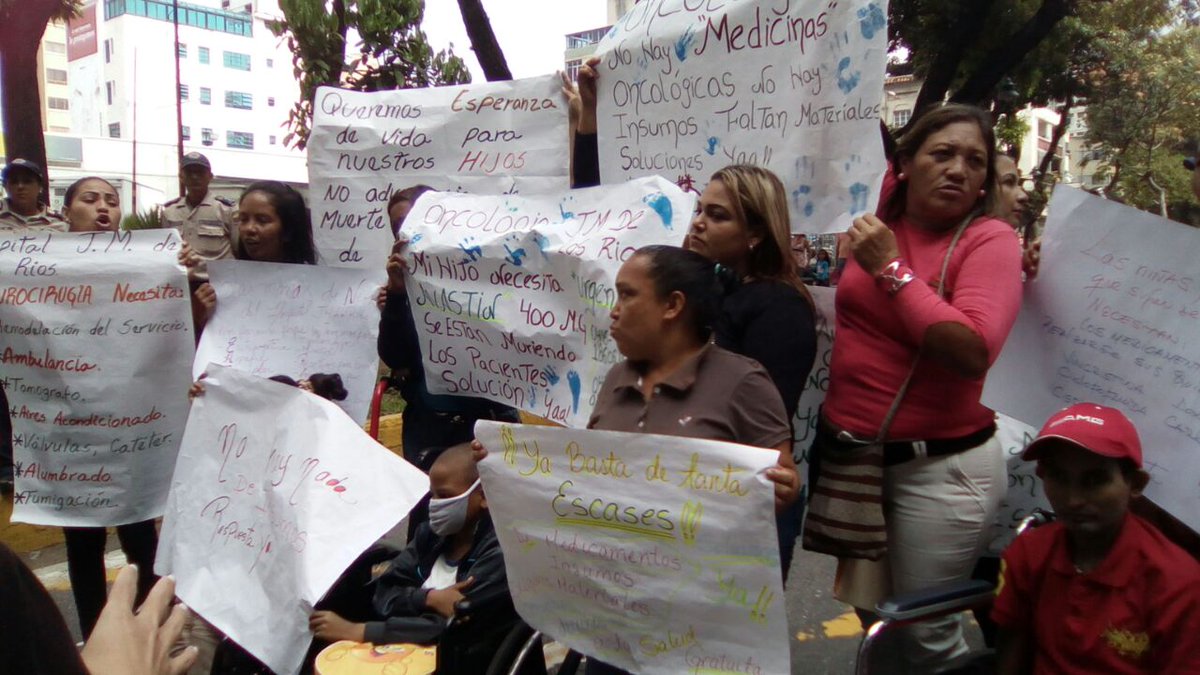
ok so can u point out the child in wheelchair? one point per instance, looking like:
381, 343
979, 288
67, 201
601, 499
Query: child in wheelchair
1100, 590
412, 597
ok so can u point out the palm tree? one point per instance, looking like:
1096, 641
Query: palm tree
22, 23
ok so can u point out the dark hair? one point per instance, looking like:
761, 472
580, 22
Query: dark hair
284, 379
328, 386
74, 189
408, 194
676, 269
930, 123
293, 215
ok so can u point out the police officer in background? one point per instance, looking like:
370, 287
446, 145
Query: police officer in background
23, 208
205, 221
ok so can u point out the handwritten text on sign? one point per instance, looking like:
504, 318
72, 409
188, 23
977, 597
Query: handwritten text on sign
794, 86
276, 492
1111, 319
511, 294
295, 320
501, 137
657, 554
96, 331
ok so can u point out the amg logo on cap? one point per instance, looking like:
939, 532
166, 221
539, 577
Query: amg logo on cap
1080, 418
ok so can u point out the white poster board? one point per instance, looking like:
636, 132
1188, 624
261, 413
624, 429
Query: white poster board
276, 492
487, 137
656, 554
1111, 319
687, 88
511, 294
295, 320
96, 335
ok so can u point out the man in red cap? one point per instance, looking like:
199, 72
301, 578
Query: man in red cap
1099, 590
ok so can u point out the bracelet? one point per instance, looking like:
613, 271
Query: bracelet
894, 276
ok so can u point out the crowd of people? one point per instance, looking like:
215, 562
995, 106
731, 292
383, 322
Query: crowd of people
906, 472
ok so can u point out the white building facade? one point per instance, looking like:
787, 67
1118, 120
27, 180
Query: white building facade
236, 88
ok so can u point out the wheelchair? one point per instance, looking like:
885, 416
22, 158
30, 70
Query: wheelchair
942, 600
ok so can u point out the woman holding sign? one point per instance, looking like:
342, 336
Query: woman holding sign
272, 226
927, 298
674, 381
92, 204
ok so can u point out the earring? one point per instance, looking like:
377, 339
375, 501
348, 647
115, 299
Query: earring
982, 192
901, 176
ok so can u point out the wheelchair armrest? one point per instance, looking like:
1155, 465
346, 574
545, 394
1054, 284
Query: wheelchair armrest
944, 599
496, 598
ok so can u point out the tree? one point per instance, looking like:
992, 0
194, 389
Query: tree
22, 24
392, 51
483, 40
1143, 111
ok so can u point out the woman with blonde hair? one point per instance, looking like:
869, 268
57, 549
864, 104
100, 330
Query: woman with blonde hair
742, 224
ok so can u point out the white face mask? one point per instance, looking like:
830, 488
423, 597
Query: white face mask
447, 516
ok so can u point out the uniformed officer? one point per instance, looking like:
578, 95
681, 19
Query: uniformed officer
23, 209
205, 221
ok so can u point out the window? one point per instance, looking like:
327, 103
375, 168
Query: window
182, 51
207, 137
208, 18
202, 54
110, 91
271, 101
56, 76
56, 47
1045, 130
108, 50
270, 63
205, 95
114, 130
185, 133
183, 92
239, 100
58, 103
271, 140
237, 60
901, 117
240, 139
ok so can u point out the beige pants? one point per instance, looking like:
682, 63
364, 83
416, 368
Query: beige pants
937, 512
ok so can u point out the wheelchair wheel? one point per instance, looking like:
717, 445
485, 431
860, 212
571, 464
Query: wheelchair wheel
519, 653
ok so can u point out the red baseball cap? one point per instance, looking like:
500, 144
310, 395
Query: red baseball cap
1095, 428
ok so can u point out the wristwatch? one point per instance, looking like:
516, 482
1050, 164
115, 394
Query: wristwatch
894, 276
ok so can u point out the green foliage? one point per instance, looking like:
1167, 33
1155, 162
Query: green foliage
392, 51
143, 220
1011, 130
1143, 112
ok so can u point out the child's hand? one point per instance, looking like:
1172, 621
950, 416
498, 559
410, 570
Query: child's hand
442, 600
197, 388
331, 627
478, 452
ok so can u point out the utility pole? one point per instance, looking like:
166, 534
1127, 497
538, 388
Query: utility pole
178, 101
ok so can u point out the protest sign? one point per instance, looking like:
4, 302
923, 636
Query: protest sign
686, 88
804, 426
276, 492
1109, 320
656, 554
489, 137
97, 334
511, 294
295, 320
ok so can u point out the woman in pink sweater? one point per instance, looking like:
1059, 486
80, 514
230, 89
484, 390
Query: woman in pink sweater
943, 473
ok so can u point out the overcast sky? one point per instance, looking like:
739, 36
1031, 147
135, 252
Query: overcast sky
532, 33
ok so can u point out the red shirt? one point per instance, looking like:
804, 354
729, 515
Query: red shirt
1137, 612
